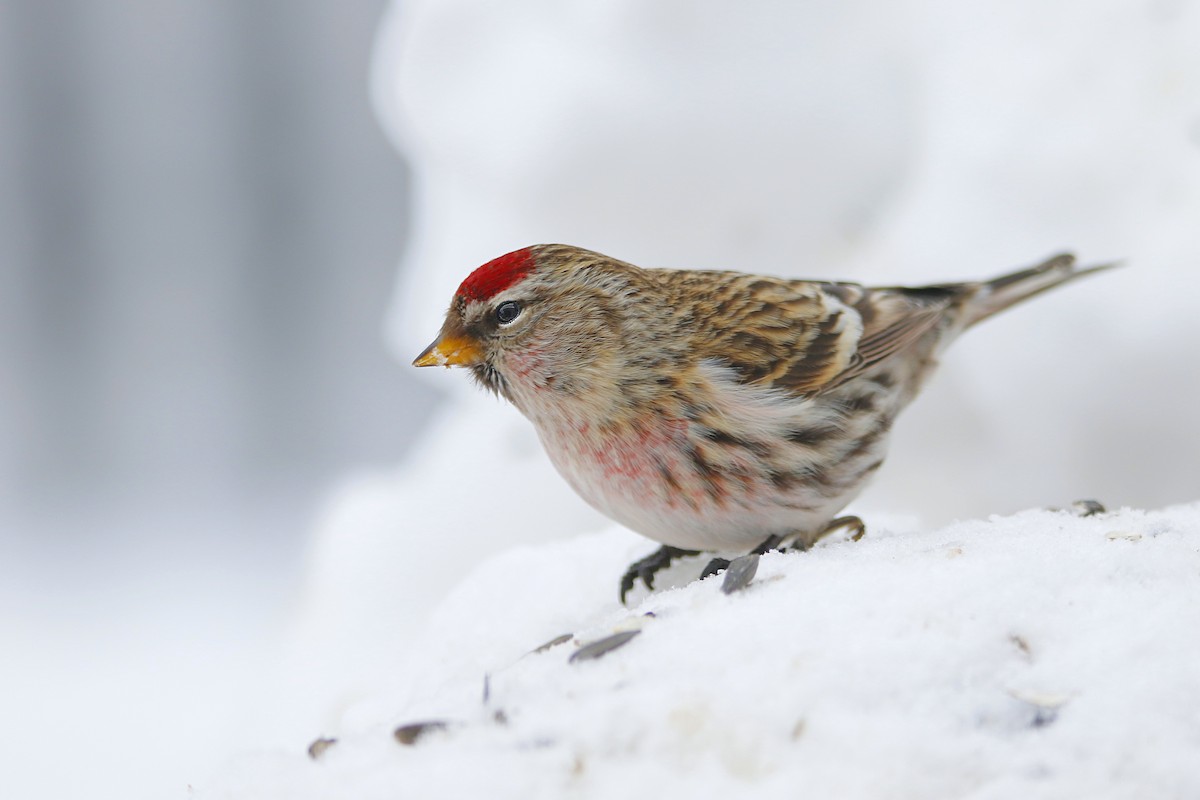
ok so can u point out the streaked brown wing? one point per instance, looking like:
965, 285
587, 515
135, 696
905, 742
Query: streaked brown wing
876, 346
892, 321
806, 336
761, 326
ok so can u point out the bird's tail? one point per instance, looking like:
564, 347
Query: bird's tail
998, 294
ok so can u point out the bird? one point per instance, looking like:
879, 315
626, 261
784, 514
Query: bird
711, 411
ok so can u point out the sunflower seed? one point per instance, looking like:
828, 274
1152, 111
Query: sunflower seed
1087, 508
409, 734
593, 650
555, 642
740, 573
1021, 644
319, 746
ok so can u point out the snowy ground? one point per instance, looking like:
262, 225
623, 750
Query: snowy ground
1037, 655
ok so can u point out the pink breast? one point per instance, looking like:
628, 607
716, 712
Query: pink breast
626, 465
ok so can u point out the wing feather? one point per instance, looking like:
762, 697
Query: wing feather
877, 346
801, 336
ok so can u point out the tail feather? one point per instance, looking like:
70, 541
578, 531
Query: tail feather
1000, 293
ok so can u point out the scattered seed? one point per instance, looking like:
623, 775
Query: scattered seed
630, 624
499, 717
593, 650
739, 574
1127, 535
540, 743
1022, 645
555, 642
409, 734
1043, 717
1050, 700
1087, 508
798, 729
319, 746
1046, 705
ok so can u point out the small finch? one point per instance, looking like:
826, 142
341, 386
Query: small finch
710, 411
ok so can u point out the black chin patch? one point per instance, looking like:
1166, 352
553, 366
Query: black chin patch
487, 377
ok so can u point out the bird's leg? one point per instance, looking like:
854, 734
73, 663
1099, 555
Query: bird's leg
852, 523
650, 566
718, 564
769, 544
714, 566
661, 558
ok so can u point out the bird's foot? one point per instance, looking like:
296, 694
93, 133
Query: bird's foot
646, 568
738, 573
853, 524
772, 543
714, 566
650, 566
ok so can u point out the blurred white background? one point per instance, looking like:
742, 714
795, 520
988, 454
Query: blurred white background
199, 229
199, 225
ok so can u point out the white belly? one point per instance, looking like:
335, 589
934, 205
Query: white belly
649, 485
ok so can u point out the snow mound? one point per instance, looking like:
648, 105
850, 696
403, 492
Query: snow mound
1041, 654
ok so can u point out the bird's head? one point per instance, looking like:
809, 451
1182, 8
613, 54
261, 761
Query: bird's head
539, 318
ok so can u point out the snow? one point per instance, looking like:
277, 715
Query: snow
1028, 655
1035, 655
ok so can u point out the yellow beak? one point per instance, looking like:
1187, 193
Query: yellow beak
451, 351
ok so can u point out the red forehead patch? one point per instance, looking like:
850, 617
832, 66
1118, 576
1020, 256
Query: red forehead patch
497, 275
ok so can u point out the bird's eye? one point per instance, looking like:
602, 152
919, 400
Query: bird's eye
507, 311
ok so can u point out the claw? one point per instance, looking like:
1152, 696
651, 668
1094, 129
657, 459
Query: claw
851, 523
650, 566
714, 566
627, 583
646, 573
